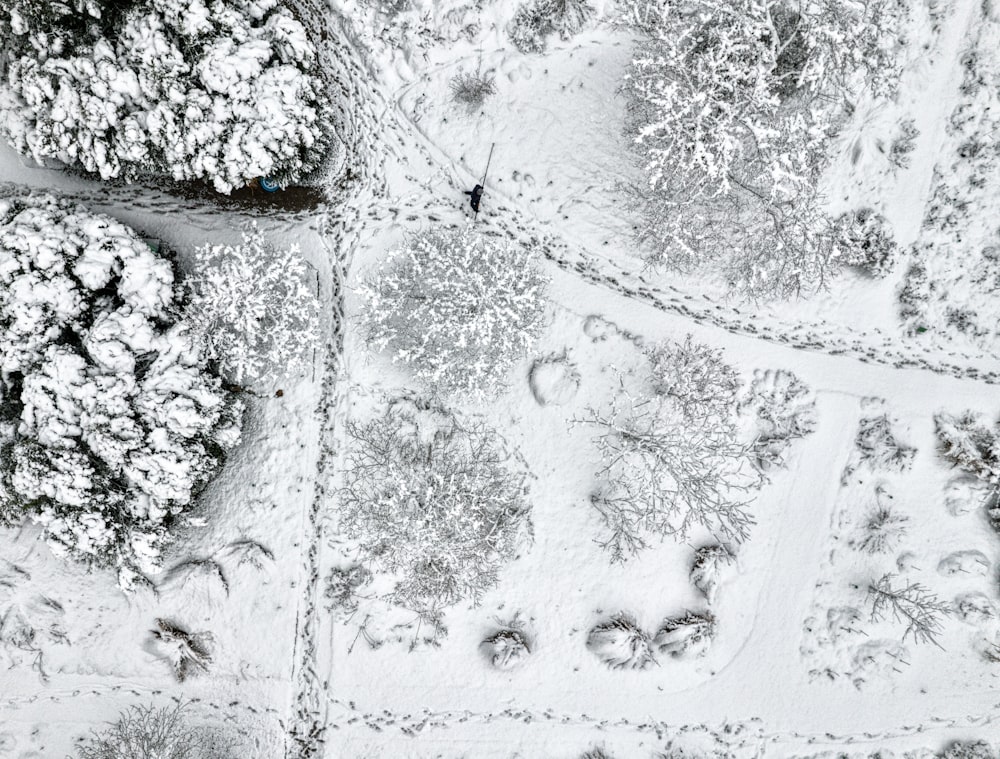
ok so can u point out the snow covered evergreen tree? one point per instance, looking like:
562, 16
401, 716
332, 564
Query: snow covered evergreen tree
109, 422
254, 308
222, 91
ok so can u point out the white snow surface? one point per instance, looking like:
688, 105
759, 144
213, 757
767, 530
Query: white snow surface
797, 667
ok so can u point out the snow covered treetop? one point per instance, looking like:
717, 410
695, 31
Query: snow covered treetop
220, 91
110, 423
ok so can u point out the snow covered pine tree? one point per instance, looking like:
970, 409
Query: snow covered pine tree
110, 423
223, 92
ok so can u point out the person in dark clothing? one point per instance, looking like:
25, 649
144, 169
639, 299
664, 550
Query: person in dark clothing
475, 194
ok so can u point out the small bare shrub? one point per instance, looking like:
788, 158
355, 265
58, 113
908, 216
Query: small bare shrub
187, 653
685, 636
535, 21
145, 732
342, 584
472, 90
507, 647
621, 643
438, 503
911, 604
708, 563
881, 531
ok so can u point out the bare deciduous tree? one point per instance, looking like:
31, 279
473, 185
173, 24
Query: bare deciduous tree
663, 474
439, 503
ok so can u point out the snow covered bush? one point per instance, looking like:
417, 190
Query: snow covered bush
686, 636
707, 566
438, 503
596, 753
671, 461
969, 442
536, 20
731, 108
145, 732
781, 408
254, 309
110, 423
968, 750
187, 653
866, 244
507, 647
694, 376
457, 308
877, 449
621, 644
342, 585
903, 144
223, 91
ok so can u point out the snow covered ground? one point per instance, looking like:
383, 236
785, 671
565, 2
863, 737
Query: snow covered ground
798, 668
